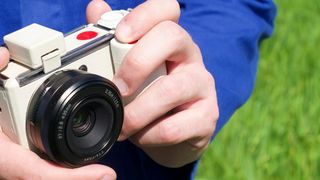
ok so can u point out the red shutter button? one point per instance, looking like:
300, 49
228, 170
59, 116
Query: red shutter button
86, 35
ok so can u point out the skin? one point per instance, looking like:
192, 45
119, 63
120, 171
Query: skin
182, 106
19, 163
4, 57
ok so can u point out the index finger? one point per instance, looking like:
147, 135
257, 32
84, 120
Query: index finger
142, 18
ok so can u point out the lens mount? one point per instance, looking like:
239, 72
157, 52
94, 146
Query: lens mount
74, 118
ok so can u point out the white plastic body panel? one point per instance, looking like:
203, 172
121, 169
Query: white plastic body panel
14, 98
29, 44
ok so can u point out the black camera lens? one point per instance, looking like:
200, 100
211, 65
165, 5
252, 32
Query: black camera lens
83, 121
74, 118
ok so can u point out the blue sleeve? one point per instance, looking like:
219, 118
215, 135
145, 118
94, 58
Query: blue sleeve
228, 33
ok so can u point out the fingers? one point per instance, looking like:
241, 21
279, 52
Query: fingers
173, 156
4, 57
86, 172
161, 97
95, 9
166, 41
193, 123
181, 138
19, 163
144, 17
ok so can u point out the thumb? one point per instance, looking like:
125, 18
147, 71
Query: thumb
95, 9
4, 57
94, 172
17, 162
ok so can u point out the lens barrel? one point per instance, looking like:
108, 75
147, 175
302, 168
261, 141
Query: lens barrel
74, 118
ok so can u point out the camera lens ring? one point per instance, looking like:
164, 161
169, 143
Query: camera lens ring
53, 102
91, 142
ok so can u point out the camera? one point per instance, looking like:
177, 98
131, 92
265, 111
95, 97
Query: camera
56, 94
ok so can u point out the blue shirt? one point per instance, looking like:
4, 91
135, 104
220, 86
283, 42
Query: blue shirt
228, 33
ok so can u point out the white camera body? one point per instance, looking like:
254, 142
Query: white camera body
38, 52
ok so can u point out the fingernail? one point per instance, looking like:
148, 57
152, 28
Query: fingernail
122, 137
121, 84
124, 32
107, 177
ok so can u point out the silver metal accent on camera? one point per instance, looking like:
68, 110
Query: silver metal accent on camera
71, 56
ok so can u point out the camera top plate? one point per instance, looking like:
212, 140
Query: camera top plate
29, 44
75, 49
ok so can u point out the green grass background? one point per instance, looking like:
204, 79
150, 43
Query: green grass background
276, 134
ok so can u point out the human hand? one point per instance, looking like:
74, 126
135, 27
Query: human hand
17, 162
174, 119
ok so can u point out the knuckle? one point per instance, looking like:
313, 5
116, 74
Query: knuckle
208, 78
213, 114
208, 81
168, 90
183, 82
169, 134
171, 7
129, 122
199, 145
174, 8
208, 117
216, 114
212, 117
197, 49
133, 62
204, 144
177, 89
174, 32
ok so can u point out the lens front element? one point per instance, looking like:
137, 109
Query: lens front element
83, 121
74, 118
